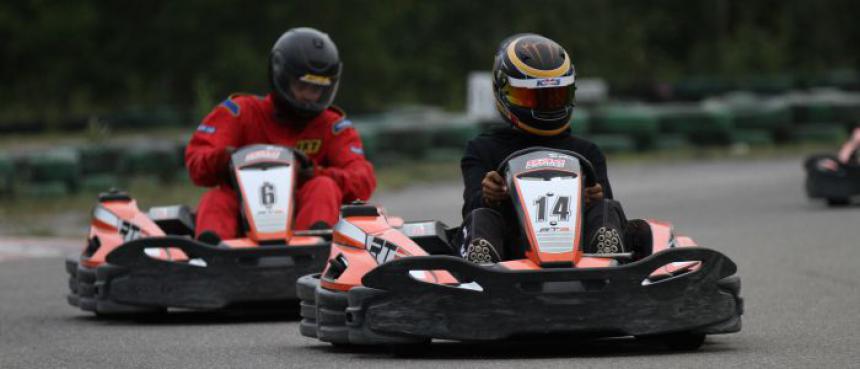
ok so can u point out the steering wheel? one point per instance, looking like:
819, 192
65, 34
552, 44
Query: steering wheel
303, 160
587, 168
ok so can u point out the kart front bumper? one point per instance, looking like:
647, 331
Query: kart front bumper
394, 307
133, 282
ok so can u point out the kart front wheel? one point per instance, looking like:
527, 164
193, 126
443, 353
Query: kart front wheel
681, 341
837, 201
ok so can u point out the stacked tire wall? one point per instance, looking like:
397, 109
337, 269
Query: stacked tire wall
420, 134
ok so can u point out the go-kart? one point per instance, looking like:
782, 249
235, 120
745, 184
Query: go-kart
832, 180
137, 262
385, 285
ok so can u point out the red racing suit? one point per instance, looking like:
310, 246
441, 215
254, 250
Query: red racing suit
342, 174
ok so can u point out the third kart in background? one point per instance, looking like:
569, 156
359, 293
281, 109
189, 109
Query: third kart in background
835, 178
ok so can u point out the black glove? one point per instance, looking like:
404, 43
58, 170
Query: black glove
306, 165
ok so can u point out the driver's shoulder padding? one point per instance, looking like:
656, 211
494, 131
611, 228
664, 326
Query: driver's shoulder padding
338, 120
234, 102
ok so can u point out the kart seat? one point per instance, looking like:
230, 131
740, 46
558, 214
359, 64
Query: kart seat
431, 235
173, 220
209, 238
359, 209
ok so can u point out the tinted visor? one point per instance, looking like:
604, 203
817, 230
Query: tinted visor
308, 91
552, 98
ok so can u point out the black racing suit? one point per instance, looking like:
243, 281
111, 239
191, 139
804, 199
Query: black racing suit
499, 224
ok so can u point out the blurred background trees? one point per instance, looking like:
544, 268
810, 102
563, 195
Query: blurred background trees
76, 58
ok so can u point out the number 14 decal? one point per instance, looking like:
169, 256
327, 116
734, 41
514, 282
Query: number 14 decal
560, 208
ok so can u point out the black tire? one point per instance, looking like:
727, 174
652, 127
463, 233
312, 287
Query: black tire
838, 201
331, 316
731, 284
409, 349
306, 287
682, 341
306, 292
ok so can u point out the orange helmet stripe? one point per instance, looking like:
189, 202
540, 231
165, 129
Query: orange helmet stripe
534, 72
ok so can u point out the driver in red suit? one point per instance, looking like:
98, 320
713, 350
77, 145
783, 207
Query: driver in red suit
304, 69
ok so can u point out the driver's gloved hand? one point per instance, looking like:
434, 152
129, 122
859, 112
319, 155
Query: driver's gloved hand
228, 169
307, 173
307, 168
493, 189
593, 194
209, 237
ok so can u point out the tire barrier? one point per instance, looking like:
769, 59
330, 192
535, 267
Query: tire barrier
697, 124
160, 161
52, 173
822, 116
7, 171
639, 122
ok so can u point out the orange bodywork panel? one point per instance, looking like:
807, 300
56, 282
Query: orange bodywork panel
662, 235
110, 237
240, 243
359, 259
595, 262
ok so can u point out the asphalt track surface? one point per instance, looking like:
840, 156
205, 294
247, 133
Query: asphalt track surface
799, 261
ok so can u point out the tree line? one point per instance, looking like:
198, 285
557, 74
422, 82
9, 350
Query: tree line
80, 57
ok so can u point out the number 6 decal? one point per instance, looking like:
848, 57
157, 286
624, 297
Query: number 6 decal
267, 194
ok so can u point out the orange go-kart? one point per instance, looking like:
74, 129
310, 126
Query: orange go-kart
404, 285
137, 262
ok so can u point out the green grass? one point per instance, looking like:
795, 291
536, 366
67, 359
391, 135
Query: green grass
68, 215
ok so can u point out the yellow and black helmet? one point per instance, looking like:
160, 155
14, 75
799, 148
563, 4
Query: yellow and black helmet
533, 81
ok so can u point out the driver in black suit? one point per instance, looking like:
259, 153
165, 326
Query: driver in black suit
533, 82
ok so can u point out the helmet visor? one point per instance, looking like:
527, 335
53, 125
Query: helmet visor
540, 99
309, 91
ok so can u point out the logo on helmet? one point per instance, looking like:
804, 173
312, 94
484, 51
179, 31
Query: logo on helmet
548, 82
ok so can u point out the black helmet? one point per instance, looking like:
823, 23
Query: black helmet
533, 81
304, 71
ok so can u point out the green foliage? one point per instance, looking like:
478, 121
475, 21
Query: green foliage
80, 57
